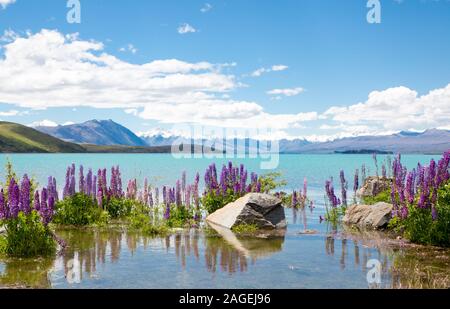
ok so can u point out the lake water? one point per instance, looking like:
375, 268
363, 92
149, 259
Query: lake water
328, 258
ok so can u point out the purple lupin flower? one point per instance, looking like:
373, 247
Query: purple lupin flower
25, 189
104, 181
13, 198
94, 187
196, 191
410, 193
48, 213
66, 191
55, 190
119, 182
223, 180
89, 183
243, 180
43, 207
334, 201
294, 202
81, 184
3, 209
37, 201
113, 185
167, 213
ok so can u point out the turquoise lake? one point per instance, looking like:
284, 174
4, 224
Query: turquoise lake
326, 258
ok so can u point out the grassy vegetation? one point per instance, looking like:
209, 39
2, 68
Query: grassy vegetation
27, 237
79, 210
384, 196
245, 229
18, 138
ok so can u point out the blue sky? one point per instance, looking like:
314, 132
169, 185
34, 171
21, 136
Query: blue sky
303, 68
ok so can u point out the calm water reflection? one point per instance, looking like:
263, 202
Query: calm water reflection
194, 259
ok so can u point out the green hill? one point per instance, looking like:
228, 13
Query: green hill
16, 138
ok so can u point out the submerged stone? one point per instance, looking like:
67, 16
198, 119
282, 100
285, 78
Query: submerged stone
263, 210
376, 216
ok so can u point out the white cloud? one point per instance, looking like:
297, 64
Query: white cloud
206, 8
49, 69
43, 123
186, 28
288, 92
68, 123
5, 3
396, 109
130, 48
278, 68
274, 68
10, 113
132, 111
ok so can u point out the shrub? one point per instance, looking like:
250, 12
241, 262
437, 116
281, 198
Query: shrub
119, 207
27, 236
180, 217
421, 227
79, 210
384, 196
421, 200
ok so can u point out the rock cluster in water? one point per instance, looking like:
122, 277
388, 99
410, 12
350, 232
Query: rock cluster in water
263, 210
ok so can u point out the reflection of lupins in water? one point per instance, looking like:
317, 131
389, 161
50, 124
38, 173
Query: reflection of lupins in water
230, 260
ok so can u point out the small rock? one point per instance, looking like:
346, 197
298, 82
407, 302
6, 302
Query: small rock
376, 216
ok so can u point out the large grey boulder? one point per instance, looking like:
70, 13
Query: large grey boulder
373, 186
263, 210
376, 216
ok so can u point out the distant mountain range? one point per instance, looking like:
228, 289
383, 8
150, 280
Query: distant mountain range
95, 132
109, 133
431, 141
16, 138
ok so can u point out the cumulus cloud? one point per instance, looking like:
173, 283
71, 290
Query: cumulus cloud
43, 123
186, 28
288, 92
5, 3
274, 68
49, 69
396, 109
